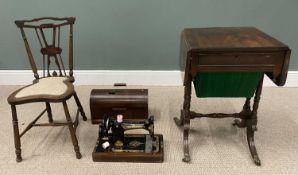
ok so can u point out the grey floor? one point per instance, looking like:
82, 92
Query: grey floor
216, 146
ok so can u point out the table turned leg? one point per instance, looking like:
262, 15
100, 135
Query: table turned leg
186, 102
80, 106
252, 125
17, 138
251, 143
246, 111
185, 119
186, 128
179, 121
72, 131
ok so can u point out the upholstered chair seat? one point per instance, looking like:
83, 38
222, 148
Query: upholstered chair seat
50, 88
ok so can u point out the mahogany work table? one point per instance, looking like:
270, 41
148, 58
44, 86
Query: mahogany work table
230, 50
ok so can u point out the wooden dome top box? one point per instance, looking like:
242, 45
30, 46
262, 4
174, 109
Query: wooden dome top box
131, 103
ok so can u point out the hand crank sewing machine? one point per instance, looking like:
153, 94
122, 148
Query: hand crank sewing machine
108, 108
117, 141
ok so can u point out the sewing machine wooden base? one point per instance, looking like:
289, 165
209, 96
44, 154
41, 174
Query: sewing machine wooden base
131, 155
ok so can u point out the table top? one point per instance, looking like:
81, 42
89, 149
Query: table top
230, 38
234, 49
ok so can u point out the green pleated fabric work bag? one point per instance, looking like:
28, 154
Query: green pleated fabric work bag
226, 84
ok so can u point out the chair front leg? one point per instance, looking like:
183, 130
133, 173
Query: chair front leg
17, 138
72, 131
49, 111
80, 106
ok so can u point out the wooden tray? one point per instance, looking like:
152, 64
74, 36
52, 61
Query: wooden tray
109, 156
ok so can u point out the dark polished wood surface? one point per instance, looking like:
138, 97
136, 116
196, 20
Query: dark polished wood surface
131, 103
234, 38
230, 49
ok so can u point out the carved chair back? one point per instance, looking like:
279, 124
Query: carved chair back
50, 49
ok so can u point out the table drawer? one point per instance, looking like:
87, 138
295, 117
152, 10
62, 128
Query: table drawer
240, 58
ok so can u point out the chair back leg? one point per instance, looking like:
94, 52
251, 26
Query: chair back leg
49, 111
80, 106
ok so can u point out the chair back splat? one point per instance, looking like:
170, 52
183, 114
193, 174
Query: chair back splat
50, 50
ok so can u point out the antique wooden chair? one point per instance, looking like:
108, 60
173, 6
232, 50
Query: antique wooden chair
51, 87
